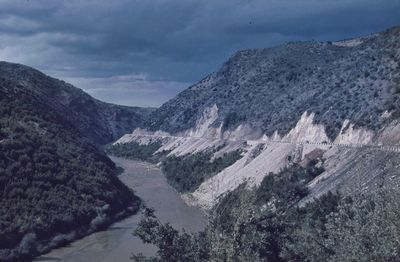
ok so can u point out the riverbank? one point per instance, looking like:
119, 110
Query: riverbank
117, 242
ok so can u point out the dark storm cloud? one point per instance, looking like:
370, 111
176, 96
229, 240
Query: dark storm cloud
339, 21
102, 46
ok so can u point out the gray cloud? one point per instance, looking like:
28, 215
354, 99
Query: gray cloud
172, 42
131, 89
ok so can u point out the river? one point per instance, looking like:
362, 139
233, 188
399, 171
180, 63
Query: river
117, 242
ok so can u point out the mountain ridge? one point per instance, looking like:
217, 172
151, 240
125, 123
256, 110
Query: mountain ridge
101, 122
282, 76
313, 94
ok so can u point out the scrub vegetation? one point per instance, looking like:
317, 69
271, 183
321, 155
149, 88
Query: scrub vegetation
135, 151
55, 185
186, 173
271, 88
268, 224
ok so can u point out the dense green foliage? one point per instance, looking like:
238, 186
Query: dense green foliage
172, 245
135, 151
268, 224
55, 186
365, 228
251, 225
332, 228
98, 121
289, 186
186, 173
246, 225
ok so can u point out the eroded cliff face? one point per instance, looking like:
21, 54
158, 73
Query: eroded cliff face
338, 102
264, 154
269, 89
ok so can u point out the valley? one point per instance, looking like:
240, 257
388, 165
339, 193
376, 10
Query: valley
287, 153
340, 100
117, 242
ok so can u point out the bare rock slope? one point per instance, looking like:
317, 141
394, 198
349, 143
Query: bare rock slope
338, 102
271, 88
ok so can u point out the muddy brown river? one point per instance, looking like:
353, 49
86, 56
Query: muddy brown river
117, 242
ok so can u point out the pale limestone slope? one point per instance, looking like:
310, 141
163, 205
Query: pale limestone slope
274, 153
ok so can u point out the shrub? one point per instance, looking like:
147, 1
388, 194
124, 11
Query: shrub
186, 173
134, 150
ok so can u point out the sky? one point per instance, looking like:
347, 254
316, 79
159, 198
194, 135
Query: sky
144, 52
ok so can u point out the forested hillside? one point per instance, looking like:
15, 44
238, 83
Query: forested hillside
55, 184
99, 121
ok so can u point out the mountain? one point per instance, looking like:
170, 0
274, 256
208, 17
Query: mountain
338, 102
269, 89
293, 152
99, 121
55, 184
